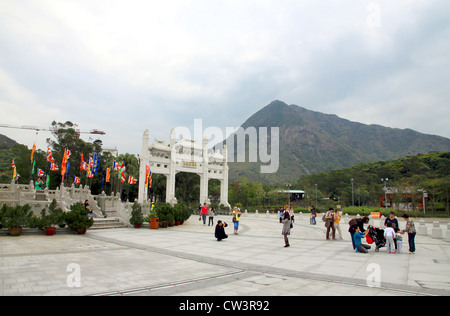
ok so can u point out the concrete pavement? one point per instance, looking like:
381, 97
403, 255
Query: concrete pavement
187, 260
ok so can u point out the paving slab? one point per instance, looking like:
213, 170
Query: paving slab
187, 260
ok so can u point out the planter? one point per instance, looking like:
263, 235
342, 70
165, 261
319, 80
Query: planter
81, 231
164, 224
177, 223
154, 222
15, 231
50, 231
137, 225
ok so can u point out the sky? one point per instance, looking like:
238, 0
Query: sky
126, 66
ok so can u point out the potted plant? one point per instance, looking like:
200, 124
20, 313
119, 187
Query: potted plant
15, 217
136, 215
78, 218
58, 214
165, 214
47, 222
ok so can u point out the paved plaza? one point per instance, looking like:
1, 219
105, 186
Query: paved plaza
187, 260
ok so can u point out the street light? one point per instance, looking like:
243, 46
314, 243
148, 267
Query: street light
316, 195
289, 195
385, 180
353, 199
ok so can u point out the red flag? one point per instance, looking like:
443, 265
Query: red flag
82, 162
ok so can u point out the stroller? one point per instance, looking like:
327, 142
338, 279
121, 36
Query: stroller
377, 236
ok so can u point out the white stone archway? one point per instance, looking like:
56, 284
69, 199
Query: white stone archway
183, 156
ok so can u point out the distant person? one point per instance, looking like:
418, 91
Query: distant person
337, 219
286, 231
211, 216
220, 230
329, 224
204, 212
39, 184
354, 223
313, 215
236, 219
411, 230
389, 235
358, 236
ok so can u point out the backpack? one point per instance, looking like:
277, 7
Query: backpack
353, 222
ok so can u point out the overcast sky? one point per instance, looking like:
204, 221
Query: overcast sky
126, 66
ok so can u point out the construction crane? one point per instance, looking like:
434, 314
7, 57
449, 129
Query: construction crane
51, 129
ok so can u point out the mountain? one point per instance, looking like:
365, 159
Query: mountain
312, 142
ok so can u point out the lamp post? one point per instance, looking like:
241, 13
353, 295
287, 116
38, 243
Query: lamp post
353, 199
385, 180
316, 195
289, 195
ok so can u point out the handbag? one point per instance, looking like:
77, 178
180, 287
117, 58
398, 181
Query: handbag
234, 219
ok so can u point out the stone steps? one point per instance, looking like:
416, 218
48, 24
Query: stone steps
106, 223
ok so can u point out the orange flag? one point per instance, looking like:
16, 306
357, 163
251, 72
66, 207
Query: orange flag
32, 152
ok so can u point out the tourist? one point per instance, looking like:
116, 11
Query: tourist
313, 215
39, 184
220, 230
357, 236
211, 216
337, 219
389, 235
329, 224
204, 212
236, 218
286, 231
354, 223
292, 215
87, 208
411, 230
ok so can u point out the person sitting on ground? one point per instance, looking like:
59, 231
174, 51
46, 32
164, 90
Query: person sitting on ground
359, 246
220, 230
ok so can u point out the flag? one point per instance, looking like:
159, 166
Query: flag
90, 174
108, 174
147, 170
116, 166
13, 165
95, 164
34, 165
82, 162
47, 184
53, 167
132, 180
32, 152
40, 172
76, 180
68, 166
64, 163
122, 169
49, 155
91, 162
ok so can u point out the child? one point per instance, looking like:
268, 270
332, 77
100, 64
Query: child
398, 238
359, 247
389, 235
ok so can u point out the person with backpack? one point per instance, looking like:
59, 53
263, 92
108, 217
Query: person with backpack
329, 223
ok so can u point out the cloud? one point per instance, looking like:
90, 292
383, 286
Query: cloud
123, 67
